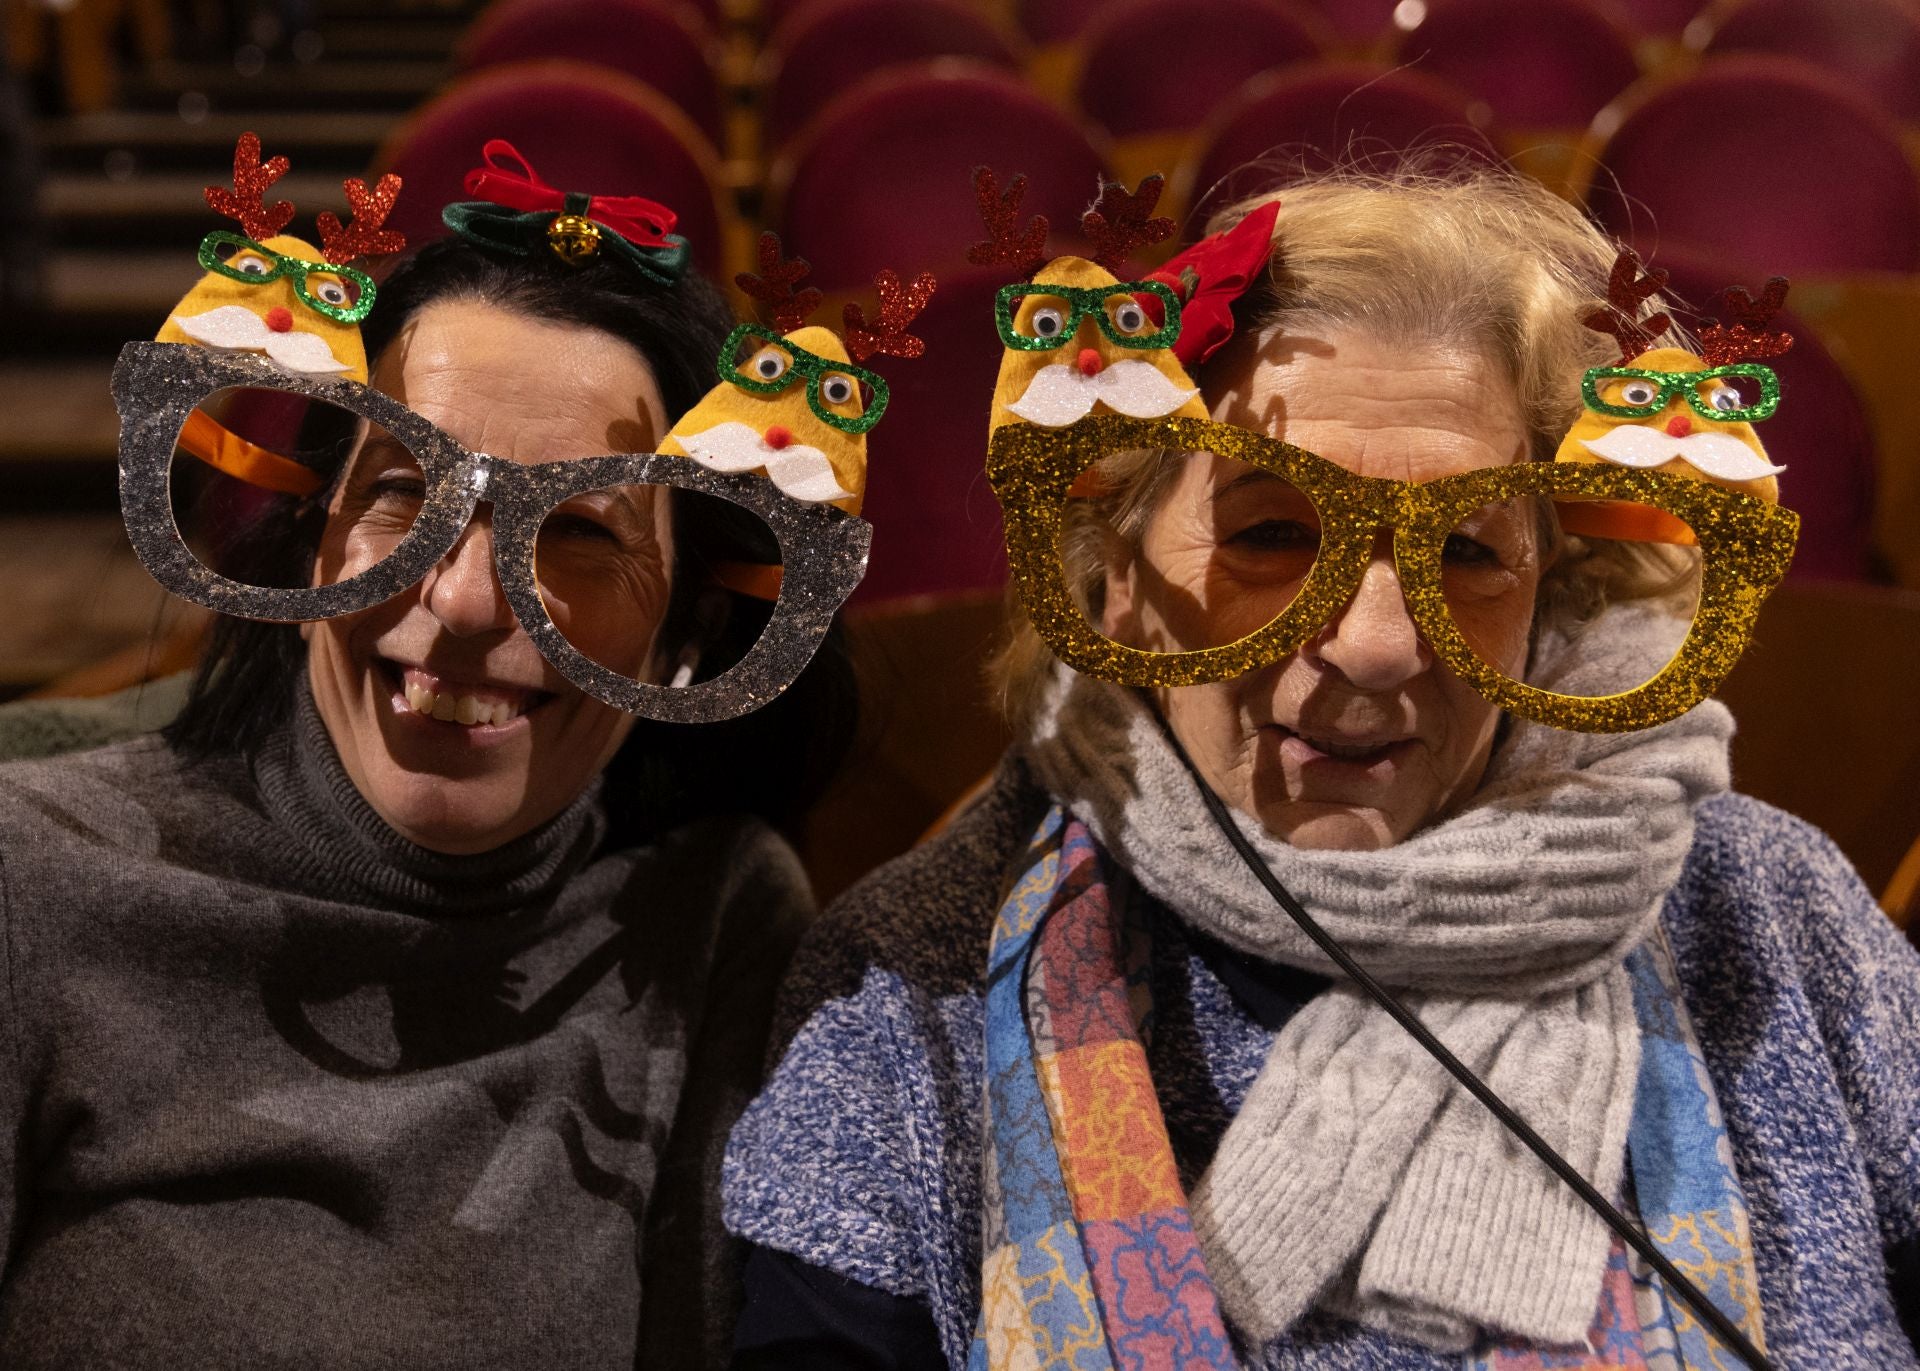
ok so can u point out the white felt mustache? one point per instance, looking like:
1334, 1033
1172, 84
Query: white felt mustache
800, 471
1061, 393
1718, 454
238, 329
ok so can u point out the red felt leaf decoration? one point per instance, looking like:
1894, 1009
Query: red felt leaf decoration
774, 286
1121, 222
899, 306
246, 201
1024, 248
363, 237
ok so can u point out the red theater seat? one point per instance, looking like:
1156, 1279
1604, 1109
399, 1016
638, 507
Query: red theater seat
1158, 66
1765, 163
883, 178
582, 128
1660, 18
1544, 64
1309, 118
936, 525
821, 51
1056, 21
1873, 44
655, 41
1357, 23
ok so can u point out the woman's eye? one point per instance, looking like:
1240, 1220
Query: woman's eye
332, 292
1724, 398
1130, 318
1048, 323
578, 527
1460, 550
1276, 535
837, 389
768, 364
1638, 393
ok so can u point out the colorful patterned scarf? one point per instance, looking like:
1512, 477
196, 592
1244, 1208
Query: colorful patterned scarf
1090, 1259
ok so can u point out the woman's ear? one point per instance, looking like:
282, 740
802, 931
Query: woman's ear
1119, 607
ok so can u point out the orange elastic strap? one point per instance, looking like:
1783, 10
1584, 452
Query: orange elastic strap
224, 450
755, 580
1626, 522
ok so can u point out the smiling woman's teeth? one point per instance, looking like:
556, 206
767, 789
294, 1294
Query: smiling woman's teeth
459, 709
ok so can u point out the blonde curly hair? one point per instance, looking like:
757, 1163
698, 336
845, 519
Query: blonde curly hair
1470, 257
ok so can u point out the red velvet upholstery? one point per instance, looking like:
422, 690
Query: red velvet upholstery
1664, 18
1768, 163
1357, 21
654, 41
583, 128
1873, 44
1821, 433
1541, 64
1310, 117
1157, 66
833, 45
883, 178
936, 525
1056, 21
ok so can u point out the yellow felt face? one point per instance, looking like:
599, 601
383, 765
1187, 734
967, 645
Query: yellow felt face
269, 317
781, 434
1088, 373
1678, 440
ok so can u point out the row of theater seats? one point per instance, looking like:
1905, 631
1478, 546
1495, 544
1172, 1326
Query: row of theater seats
1738, 167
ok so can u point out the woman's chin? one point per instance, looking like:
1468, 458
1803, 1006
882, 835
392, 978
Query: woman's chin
456, 817
1327, 827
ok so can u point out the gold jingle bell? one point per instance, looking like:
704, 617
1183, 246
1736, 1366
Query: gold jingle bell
573, 237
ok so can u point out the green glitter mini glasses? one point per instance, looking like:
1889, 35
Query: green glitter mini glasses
1060, 310
777, 363
1640, 394
1253, 547
246, 260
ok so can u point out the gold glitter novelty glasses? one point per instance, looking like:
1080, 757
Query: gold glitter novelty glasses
1254, 545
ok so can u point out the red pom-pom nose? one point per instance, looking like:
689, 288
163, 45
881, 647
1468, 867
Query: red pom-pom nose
280, 319
1679, 426
778, 436
1089, 362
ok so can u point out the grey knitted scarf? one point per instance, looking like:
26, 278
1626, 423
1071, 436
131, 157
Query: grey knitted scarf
1357, 1175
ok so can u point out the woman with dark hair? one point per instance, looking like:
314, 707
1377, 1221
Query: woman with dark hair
391, 1005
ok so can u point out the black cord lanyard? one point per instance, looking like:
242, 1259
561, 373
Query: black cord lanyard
1629, 1232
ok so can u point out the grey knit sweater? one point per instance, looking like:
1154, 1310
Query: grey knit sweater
278, 1089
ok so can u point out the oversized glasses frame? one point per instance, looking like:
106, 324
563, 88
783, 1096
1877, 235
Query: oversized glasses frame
1745, 545
283, 265
1083, 302
1668, 384
157, 386
816, 369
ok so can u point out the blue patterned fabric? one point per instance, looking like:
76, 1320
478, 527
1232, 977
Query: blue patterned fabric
863, 1154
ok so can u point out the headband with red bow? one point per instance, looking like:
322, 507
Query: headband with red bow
1213, 273
519, 213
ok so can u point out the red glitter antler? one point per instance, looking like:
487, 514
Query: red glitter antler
1119, 222
775, 285
1627, 291
899, 305
363, 237
246, 201
1747, 337
1025, 248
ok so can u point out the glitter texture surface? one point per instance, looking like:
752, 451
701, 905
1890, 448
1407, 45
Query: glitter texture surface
1668, 384
1745, 546
156, 386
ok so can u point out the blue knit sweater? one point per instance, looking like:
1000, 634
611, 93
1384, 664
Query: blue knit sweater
862, 1155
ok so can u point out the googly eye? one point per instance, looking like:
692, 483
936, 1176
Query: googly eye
250, 264
837, 389
1048, 323
1724, 399
1638, 393
768, 364
1128, 317
332, 292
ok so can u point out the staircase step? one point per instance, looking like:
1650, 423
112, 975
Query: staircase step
362, 86
314, 141
57, 413
162, 208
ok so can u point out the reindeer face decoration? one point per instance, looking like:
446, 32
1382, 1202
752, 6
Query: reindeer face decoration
1079, 339
271, 293
792, 403
1687, 414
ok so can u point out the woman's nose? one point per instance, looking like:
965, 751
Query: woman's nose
1373, 642
463, 592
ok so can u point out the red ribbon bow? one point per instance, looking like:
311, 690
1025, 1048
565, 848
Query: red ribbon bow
639, 220
1209, 276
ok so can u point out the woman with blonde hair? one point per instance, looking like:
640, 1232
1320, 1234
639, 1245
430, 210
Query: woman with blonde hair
1202, 1143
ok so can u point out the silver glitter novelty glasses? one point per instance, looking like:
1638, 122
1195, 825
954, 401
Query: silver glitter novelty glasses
585, 549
